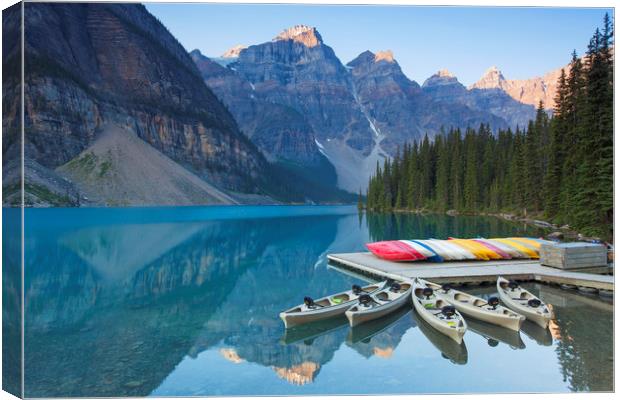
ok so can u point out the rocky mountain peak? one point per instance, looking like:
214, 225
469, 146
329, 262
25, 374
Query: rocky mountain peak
440, 78
196, 53
491, 79
444, 73
387, 56
234, 51
304, 34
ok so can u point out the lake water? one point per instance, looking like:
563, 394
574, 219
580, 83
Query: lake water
185, 301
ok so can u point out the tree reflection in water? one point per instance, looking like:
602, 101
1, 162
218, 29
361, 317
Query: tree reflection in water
113, 308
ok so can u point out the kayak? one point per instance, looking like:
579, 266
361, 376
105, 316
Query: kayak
451, 350
504, 255
530, 243
424, 250
437, 312
397, 250
510, 251
326, 307
456, 252
377, 304
526, 251
445, 253
480, 251
434, 256
524, 302
485, 310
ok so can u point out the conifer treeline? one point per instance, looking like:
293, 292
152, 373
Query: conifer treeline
559, 167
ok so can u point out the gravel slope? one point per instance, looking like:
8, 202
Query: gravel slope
121, 169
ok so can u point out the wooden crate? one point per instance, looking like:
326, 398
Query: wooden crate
573, 255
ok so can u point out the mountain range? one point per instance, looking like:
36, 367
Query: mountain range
281, 121
359, 112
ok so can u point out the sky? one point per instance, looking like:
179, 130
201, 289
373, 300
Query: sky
521, 42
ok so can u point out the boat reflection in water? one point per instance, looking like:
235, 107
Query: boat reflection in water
380, 337
541, 335
451, 350
496, 334
185, 302
308, 332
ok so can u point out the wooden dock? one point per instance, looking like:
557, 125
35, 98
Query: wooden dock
472, 271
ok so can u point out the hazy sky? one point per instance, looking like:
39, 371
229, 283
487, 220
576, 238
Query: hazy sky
522, 42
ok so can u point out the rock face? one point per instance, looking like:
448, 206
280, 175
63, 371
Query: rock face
285, 113
296, 69
389, 98
292, 92
234, 51
92, 64
527, 91
281, 132
403, 111
463, 107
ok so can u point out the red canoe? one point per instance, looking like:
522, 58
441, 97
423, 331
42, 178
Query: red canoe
395, 250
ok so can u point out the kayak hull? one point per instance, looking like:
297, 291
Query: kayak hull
476, 307
517, 300
295, 319
327, 307
358, 314
454, 329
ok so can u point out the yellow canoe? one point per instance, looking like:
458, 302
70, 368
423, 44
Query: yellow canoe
528, 252
527, 242
480, 251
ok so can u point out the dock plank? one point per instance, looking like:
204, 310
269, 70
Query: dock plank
472, 271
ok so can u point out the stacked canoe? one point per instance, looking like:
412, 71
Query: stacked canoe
455, 249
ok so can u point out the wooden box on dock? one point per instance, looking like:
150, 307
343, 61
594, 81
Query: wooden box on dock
573, 255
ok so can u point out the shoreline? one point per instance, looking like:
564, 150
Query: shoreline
557, 232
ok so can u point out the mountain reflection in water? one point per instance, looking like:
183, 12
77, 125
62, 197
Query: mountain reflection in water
187, 303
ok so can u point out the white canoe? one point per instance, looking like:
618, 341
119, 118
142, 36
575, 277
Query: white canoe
447, 254
485, 310
379, 303
523, 302
440, 314
326, 307
451, 350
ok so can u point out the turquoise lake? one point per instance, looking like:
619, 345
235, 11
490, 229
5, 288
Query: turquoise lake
185, 302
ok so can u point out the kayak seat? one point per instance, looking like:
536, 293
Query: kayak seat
383, 296
461, 297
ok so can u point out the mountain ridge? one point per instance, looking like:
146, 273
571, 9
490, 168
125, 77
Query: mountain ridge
367, 108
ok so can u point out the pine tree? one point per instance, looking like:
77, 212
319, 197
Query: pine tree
442, 191
560, 166
470, 189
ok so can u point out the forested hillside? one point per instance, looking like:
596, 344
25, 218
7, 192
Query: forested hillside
558, 167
